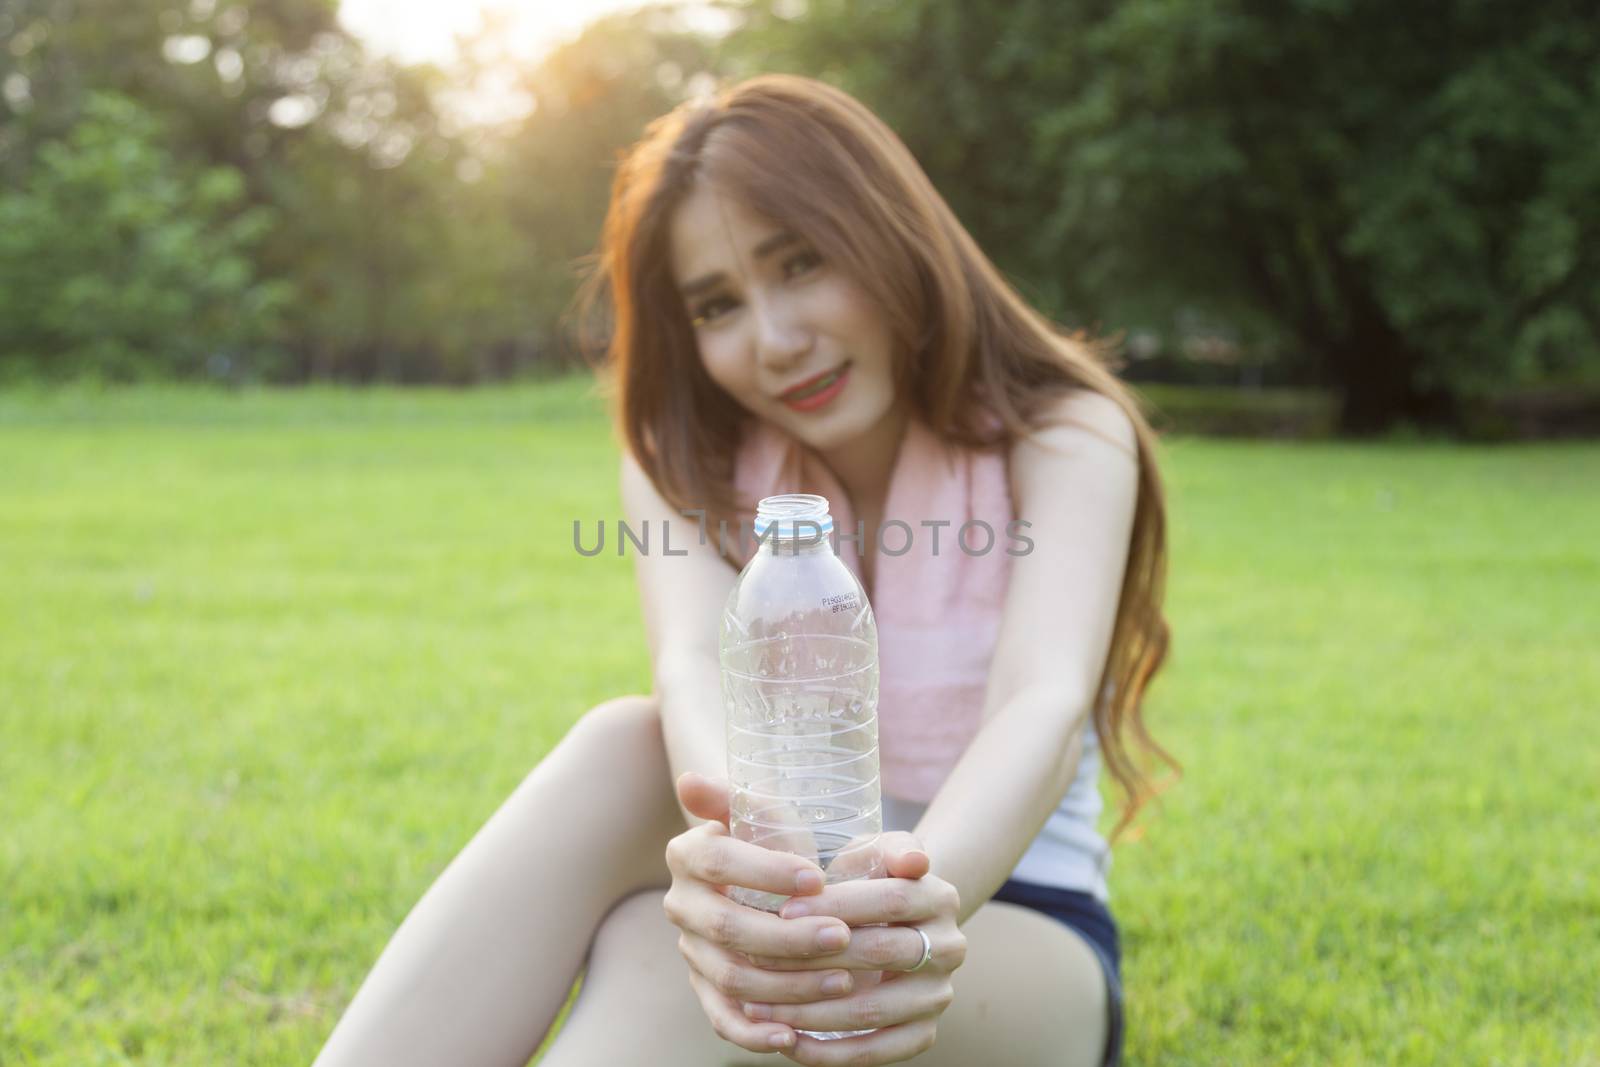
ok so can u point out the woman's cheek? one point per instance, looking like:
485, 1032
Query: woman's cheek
724, 371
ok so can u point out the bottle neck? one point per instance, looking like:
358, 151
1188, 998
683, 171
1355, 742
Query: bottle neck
807, 544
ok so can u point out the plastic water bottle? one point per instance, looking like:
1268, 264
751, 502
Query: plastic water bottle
799, 654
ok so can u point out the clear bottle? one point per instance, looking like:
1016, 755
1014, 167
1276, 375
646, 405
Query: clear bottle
799, 651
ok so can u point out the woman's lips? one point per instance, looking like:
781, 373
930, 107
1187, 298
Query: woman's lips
823, 396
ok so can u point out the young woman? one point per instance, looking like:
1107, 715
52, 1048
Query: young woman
794, 308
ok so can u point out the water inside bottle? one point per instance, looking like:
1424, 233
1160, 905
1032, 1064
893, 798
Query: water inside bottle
803, 756
799, 654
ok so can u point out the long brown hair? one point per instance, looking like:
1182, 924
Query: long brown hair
812, 158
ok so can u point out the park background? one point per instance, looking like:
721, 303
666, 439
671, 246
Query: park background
294, 423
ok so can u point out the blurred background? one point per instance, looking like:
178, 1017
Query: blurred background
294, 431
1392, 209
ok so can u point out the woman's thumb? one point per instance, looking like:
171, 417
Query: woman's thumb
702, 797
903, 855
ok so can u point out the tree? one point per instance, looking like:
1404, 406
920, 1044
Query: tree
594, 97
119, 262
1398, 199
346, 150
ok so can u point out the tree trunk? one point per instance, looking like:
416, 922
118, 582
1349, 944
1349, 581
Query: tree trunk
1377, 368
1377, 375
1375, 379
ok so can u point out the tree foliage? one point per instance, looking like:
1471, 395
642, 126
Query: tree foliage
1393, 202
120, 262
1397, 201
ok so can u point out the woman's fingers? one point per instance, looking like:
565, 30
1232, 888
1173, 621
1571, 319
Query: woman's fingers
702, 797
786, 831
875, 900
733, 974
708, 854
731, 1024
698, 909
894, 853
877, 948
720, 935
892, 1044
868, 1008
903, 855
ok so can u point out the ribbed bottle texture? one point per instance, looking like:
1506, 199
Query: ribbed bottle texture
799, 654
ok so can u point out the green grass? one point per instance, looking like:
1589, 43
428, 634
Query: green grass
268, 660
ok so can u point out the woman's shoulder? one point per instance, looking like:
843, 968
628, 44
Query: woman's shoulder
1066, 418
1078, 426
1097, 413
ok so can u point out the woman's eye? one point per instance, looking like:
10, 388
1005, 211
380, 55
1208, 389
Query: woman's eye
710, 310
806, 261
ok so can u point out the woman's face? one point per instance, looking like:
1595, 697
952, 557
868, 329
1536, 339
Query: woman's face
773, 322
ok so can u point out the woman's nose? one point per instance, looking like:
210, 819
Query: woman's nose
781, 338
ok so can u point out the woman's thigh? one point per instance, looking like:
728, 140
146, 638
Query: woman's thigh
1030, 994
484, 962
636, 1004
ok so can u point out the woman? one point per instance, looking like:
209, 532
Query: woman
794, 308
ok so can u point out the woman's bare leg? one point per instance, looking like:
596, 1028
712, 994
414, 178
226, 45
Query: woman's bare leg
1030, 994
485, 961
636, 1005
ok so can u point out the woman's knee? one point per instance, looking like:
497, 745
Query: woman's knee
1030, 992
622, 726
636, 970
613, 761
620, 737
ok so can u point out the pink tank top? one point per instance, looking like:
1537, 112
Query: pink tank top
937, 601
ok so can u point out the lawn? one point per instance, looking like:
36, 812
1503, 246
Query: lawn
268, 660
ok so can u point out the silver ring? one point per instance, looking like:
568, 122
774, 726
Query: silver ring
927, 950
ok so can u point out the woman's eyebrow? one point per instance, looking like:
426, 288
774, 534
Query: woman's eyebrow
776, 243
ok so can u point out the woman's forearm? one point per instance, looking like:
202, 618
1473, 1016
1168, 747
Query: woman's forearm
990, 808
1000, 793
692, 722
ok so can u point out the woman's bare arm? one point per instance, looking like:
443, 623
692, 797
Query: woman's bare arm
1077, 484
681, 597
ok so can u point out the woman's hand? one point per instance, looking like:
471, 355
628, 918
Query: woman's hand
720, 934
903, 1008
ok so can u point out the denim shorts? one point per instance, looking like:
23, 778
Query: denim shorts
1085, 914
